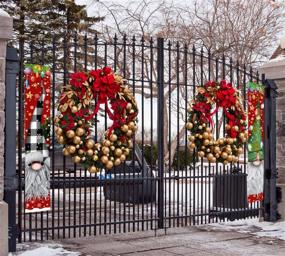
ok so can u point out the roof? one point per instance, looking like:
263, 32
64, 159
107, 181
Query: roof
278, 52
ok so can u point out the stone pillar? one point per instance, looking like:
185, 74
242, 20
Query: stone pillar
6, 30
275, 69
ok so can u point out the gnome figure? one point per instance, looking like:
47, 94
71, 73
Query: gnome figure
37, 181
37, 141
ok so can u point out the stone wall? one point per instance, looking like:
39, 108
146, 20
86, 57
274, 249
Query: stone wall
275, 69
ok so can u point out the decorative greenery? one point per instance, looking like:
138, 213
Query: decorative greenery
217, 95
79, 103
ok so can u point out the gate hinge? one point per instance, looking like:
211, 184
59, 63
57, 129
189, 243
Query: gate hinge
11, 182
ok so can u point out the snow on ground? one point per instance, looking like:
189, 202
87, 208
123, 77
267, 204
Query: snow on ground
42, 249
252, 226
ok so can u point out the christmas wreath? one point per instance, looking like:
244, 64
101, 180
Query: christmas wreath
79, 103
209, 99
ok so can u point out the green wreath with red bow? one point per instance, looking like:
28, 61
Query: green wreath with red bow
79, 103
209, 99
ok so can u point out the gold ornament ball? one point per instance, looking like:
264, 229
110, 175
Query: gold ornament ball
124, 128
210, 156
71, 149
117, 162
189, 125
131, 125
192, 145
206, 142
74, 109
80, 122
126, 151
205, 135
201, 153
240, 150
77, 146
80, 151
200, 127
70, 134
213, 160
129, 106
65, 151
105, 150
113, 137
228, 150
208, 150
118, 152
200, 136
189, 109
129, 133
241, 135
107, 143
228, 127
191, 138
230, 141
92, 169
226, 162
109, 165
221, 141
95, 158
90, 152
97, 145
123, 157
236, 128
58, 131
208, 129
216, 149
217, 155
104, 159
90, 143
80, 131
61, 140
225, 155
230, 158
76, 159
76, 140
112, 148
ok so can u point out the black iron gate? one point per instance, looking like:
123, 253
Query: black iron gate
175, 189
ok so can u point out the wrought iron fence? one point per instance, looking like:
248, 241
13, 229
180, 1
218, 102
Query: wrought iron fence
175, 188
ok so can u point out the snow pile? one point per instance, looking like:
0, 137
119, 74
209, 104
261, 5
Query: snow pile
253, 226
37, 249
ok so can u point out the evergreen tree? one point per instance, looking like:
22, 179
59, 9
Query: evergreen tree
37, 22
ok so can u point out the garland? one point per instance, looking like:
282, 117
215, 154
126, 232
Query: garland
78, 105
217, 95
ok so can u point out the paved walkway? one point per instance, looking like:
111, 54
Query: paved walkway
196, 241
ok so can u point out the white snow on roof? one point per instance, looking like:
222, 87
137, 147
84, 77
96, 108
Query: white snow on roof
3, 13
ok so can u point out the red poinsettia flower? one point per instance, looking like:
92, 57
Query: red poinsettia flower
210, 84
202, 107
105, 85
77, 79
226, 95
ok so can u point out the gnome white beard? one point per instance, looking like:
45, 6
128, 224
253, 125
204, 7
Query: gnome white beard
37, 182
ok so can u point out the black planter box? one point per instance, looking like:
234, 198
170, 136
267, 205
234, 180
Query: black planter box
230, 191
129, 184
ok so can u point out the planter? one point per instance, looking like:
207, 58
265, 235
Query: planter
129, 184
